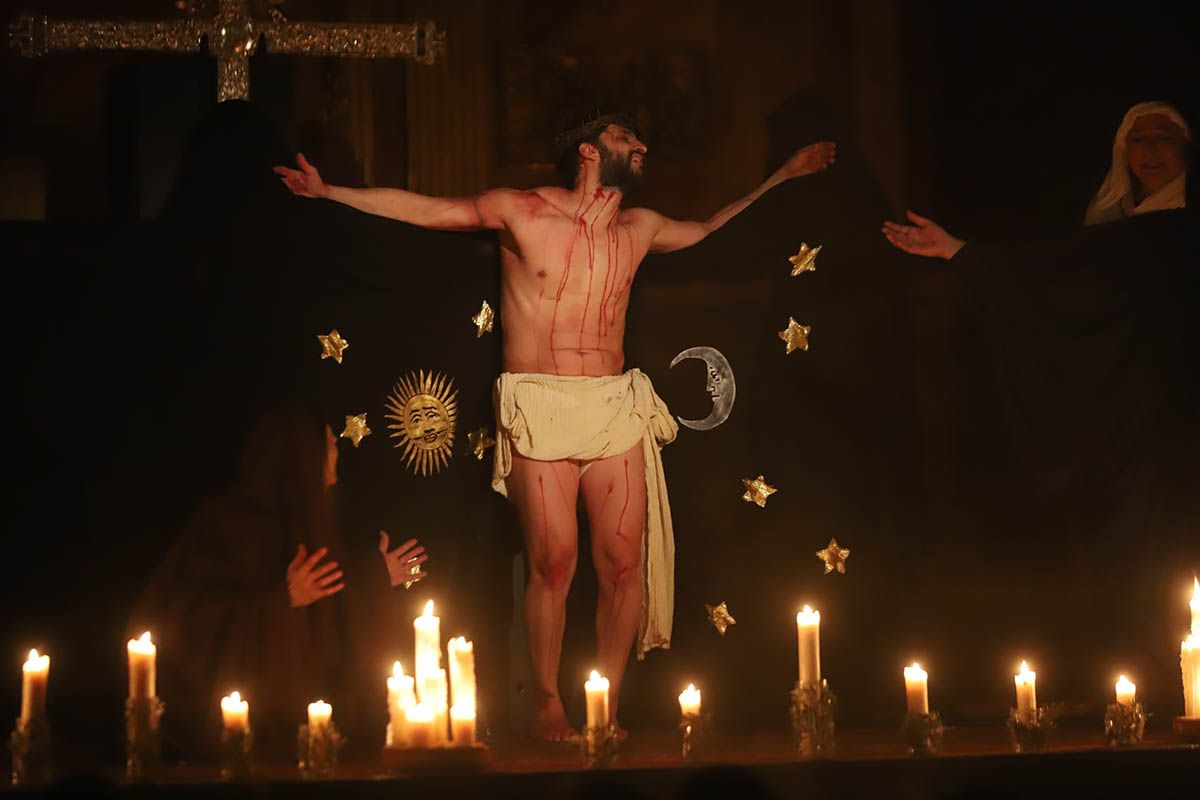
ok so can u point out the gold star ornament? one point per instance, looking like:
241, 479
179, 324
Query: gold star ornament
356, 428
332, 345
480, 441
719, 616
484, 320
834, 557
795, 336
805, 260
757, 491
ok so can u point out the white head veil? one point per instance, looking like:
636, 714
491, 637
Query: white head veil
1115, 198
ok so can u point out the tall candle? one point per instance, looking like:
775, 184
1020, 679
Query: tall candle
596, 689
35, 675
808, 633
419, 721
319, 715
1126, 691
689, 701
1189, 659
1026, 681
916, 688
429, 652
462, 672
143, 657
235, 712
400, 697
462, 725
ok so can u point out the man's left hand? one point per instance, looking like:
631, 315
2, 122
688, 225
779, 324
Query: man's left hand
814, 158
403, 563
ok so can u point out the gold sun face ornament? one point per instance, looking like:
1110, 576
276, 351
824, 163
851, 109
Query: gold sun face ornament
424, 410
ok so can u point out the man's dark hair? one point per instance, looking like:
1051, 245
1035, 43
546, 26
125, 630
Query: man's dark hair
566, 144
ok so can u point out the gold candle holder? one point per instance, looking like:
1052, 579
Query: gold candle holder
814, 712
237, 745
143, 738
32, 761
599, 745
1029, 731
317, 750
923, 733
1124, 724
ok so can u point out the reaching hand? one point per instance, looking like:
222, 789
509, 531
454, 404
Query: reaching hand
306, 181
307, 582
814, 158
923, 238
403, 563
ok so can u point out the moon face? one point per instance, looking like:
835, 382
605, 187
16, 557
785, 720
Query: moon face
720, 385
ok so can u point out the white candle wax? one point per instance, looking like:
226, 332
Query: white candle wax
916, 689
462, 672
1126, 691
401, 695
1189, 659
419, 720
596, 689
689, 701
438, 703
35, 674
319, 715
1026, 683
235, 712
428, 651
808, 634
462, 724
143, 656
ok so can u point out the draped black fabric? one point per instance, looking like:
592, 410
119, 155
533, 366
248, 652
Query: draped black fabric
1089, 353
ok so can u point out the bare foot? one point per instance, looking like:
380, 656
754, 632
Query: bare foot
551, 723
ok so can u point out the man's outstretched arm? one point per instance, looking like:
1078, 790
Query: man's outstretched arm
488, 210
670, 234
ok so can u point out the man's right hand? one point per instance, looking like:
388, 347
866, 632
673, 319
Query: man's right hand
306, 181
309, 581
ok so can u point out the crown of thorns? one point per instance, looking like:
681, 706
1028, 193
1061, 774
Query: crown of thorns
589, 128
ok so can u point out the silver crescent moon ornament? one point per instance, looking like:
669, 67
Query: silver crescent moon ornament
720, 386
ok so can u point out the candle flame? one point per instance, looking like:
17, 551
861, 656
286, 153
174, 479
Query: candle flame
33, 655
145, 638
807, 609
1195, 590
1024, 667
235, 697
914, 671
397, 670
594, 676
428, 609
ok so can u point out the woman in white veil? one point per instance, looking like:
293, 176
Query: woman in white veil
1149, 165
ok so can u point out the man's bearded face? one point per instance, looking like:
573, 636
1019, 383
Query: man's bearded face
621, 167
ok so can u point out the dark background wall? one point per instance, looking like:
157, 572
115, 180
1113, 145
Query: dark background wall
144, 282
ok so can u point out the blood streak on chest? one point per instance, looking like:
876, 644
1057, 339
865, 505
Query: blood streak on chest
584, 229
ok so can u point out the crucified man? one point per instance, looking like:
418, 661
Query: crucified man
569, 421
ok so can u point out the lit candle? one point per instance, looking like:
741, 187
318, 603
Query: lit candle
429, 652
1189, 659
462, 672
689, 701
142, 658
916, 687
462, 723
235, 713
319, 715
36, 674
1126, 691
400, 696
1026, 681
596, 689
419, 721
808, 632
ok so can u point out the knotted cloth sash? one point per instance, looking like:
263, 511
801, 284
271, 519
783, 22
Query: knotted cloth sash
555, 418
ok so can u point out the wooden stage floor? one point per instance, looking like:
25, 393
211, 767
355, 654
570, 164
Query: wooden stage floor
974, 762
